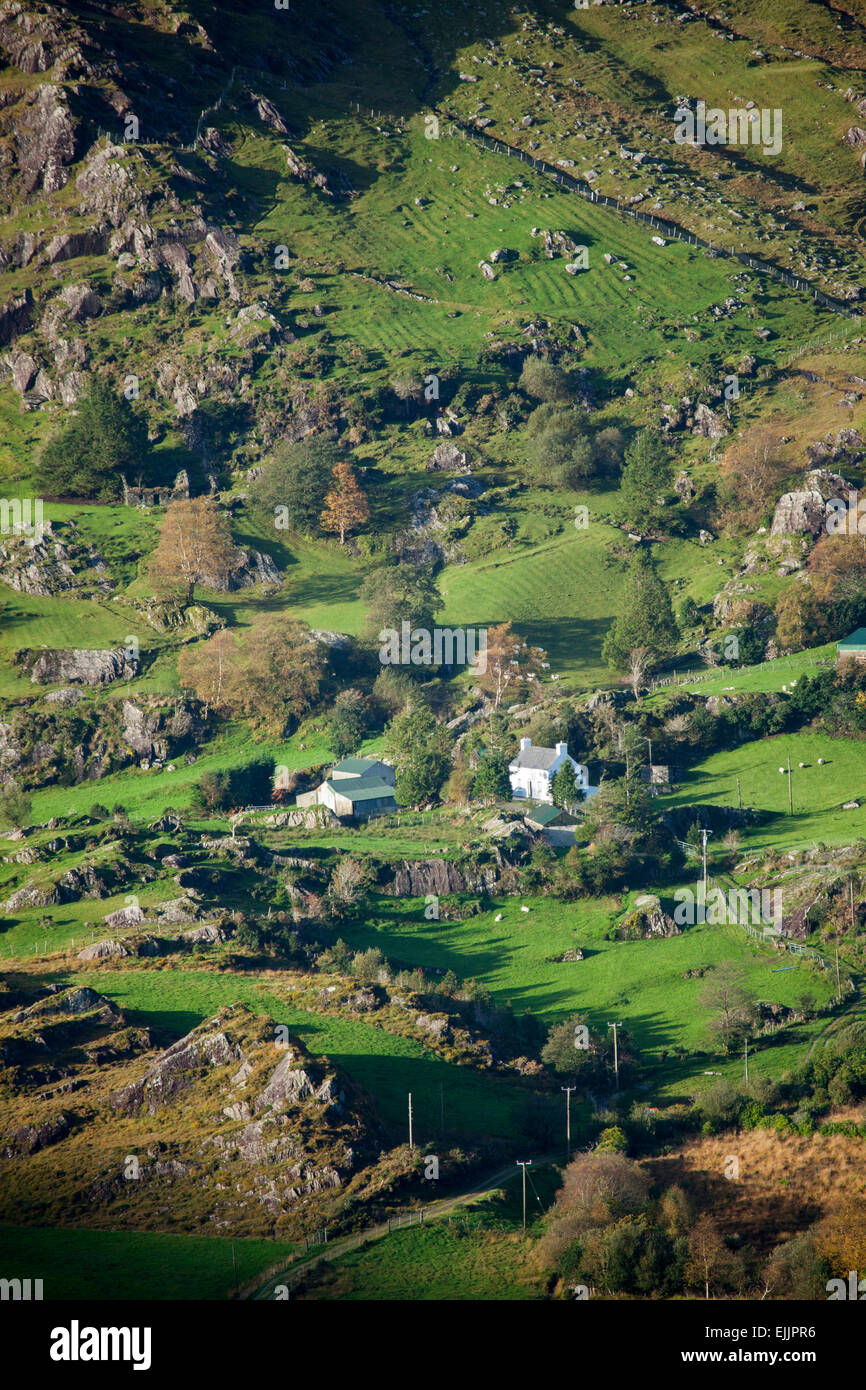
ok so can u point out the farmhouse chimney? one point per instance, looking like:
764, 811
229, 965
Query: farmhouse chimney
525, 743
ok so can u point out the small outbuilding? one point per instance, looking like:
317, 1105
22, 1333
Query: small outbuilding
852, 646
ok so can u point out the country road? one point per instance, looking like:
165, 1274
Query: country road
432, 1212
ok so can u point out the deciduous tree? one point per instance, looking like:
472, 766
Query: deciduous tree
195, 547
346, 507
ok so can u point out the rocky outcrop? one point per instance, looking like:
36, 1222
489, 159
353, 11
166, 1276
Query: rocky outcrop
805, 511
250, 567
709, 423
103, 950
131, 916
155, 733
416, 878
83, 666
45, 139
448, 458
648, 920
29, 1139
16, 316
188, 621
107, 185
51, 563
290, 1085
174, 1070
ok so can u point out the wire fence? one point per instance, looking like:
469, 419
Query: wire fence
669, 229
715, 672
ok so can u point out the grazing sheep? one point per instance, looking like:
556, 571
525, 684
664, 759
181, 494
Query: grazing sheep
498, 917
781, 769
524, 909
820, 762
802, 764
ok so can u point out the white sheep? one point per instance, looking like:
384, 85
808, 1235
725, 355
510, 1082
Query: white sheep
781, 769
524, 909
498, 917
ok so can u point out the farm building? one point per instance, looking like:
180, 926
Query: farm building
357, 788
854, 645
556, 825
532, 772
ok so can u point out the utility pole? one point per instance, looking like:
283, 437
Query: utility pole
851, 892
411, 1145
838, 980
568, 1090
747, 1061
650, 746
704, 834
614, 1026
524, 1163
739, 796
790, 790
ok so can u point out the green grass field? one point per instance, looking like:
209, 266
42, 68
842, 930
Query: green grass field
122, 1265
384, 1065
438, 1261
641, 982
818, 792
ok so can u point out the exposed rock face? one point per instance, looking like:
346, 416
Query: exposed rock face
207, 935
84, 666
107, 185
556, 243
804, 512
29, 1139
684, 487
290, 1084
797, 512
73, 1001
250, 567
189, 620
16, 316
416, 878
45, 137
708, 423
67, 245
51, 563
648, 920
153, 733
124, 917
103, 950
448, 458
331, 184
174, 1070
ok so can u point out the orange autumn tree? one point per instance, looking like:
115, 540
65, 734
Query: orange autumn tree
346, 507
511, 664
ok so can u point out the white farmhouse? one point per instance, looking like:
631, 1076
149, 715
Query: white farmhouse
532, 772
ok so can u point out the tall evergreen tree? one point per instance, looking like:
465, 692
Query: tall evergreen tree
102, 440
646, 618
646, 477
